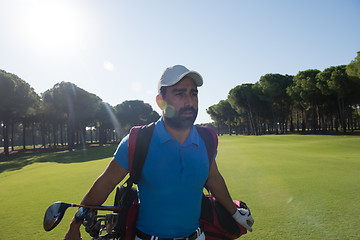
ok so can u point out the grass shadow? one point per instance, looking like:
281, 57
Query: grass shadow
21, 159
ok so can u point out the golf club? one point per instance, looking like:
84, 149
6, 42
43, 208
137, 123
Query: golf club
56, 211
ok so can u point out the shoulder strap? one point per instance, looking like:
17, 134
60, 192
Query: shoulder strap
211, 141
139, 141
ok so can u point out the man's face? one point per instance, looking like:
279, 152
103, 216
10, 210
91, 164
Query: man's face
181, 104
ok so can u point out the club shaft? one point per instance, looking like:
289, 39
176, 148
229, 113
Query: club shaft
110, 208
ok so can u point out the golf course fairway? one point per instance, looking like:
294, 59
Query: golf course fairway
297, 186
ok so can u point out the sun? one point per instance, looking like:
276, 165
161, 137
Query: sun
54, 27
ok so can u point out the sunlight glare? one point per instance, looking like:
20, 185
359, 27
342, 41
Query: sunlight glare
52, 26
109, 66
113, 119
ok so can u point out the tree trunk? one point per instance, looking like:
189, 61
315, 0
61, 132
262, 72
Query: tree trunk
303, 125
313, 119
12, 135
33, 134
297, 121
336, 124
342, 114
218, 128
24, 135
229, 124
49, 137
252, 122
43, 138
55, 136
83, 136
292, 127
70, 134
91, 136
6, 138
61, 134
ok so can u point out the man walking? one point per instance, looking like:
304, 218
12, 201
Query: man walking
175, 171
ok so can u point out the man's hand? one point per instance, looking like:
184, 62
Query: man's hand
73, 232
244, 218
72, 235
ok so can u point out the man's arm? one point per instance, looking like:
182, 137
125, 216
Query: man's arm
217, 187
98, 193
105, 184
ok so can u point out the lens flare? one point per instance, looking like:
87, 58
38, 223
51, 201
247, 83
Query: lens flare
113, 120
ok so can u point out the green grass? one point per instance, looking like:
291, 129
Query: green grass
297, 187
32, 183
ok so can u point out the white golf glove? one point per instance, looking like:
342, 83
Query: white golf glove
244, 218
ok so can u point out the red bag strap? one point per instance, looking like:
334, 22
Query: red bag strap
139, 142
131, 145
211, 141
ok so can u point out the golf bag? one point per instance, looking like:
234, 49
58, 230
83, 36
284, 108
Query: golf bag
217, 221
119, 225
126, 198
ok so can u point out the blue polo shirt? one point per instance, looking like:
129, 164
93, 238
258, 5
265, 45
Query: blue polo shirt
171, 184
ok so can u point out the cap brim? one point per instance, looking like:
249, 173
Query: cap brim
194, 75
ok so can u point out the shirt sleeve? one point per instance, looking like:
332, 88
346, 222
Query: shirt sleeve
121, 154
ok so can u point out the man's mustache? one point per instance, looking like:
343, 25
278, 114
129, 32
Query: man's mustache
186, 109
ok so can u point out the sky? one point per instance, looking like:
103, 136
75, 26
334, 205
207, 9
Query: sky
118, 49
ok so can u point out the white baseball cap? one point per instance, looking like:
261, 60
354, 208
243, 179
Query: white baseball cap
172, 75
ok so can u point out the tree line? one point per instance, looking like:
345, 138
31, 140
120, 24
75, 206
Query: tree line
64, 115
310, 101
67, 115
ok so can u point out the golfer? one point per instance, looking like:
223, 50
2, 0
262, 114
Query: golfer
175, 171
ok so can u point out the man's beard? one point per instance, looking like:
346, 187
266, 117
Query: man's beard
176, 121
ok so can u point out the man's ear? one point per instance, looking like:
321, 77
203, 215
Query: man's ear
161, 102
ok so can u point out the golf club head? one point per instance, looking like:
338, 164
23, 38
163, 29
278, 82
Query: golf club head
54, 214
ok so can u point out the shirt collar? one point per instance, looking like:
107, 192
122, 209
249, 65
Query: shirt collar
164, 136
